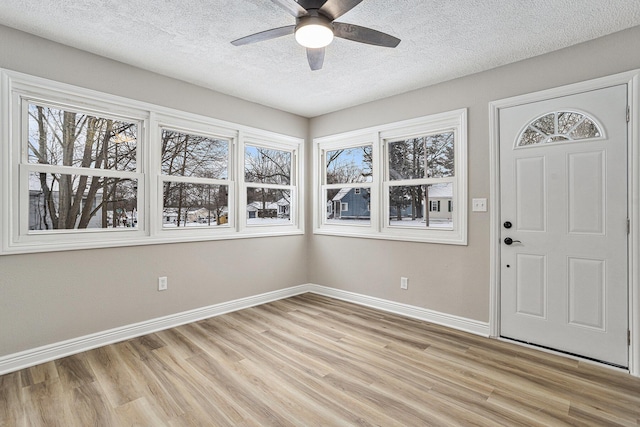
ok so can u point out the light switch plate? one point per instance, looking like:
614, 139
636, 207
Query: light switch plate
479, 205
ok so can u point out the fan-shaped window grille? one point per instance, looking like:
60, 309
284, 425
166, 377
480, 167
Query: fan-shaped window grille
560, 126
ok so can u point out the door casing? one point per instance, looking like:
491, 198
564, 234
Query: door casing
632, 80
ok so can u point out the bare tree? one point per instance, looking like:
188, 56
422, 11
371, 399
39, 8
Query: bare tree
66, 138
190, 155
430, 156
267, 166
348, 166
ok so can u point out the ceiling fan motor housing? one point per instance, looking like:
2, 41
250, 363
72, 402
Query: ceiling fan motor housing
314, 30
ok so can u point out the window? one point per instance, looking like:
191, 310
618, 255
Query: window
82, 169
347, 180
267, 173
421, 173
559, 126
72, 172
270, 191
194, 177
398, 186
67, 154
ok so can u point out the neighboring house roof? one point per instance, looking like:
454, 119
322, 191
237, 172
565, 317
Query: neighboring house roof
441, 191
343, 192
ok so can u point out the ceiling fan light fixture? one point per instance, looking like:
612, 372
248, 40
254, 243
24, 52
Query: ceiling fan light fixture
314, 32
316, 27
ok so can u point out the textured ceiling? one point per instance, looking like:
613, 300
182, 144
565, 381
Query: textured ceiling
441, 40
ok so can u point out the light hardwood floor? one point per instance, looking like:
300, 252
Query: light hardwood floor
314, 361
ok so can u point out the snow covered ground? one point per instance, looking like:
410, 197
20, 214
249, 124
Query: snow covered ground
419, 223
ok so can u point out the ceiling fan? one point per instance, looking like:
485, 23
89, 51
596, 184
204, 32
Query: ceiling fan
315, 28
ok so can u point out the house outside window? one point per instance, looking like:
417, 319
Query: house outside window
347, 177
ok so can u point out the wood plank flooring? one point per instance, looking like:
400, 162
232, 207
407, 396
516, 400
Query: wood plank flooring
314, 361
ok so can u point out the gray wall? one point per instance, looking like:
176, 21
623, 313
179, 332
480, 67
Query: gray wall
452, 279
49, 297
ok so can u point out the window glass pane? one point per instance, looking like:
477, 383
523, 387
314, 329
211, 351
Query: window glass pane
267, 206
65, 201
67, 138
267, 166
194, 205
199, 156
567, 120
407, 159
349, 165
586, 129
430, 156
421, 206
546, 124
348, 206
440, 155
531, 136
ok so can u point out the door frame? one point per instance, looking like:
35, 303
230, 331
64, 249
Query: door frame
632, 79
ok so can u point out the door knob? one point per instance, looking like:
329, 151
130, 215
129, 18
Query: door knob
508, 241
507, 224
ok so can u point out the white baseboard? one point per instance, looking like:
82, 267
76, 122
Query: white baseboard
449, 320
32, 357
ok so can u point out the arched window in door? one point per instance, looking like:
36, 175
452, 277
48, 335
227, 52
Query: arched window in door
559, 126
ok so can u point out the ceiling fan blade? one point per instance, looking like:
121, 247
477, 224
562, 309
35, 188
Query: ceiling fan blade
366, 35
265, 35
336, 8
316, 58
292, 7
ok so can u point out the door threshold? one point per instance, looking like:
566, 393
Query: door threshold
567, 354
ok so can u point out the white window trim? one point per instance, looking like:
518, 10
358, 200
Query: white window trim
14, 85
379, 206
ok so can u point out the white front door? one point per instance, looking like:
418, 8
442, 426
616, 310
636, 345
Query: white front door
563, 184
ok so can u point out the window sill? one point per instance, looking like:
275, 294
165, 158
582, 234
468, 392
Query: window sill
395, 235
37, 247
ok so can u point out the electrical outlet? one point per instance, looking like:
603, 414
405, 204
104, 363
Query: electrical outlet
162, 283
404, 283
